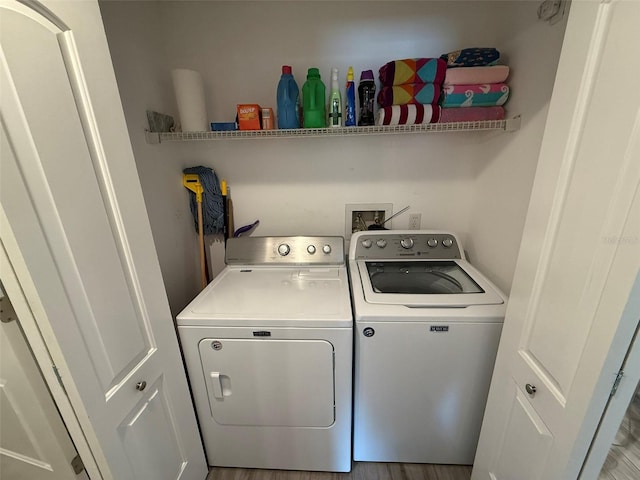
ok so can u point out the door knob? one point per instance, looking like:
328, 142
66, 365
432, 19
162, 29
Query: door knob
531, 389
140, 386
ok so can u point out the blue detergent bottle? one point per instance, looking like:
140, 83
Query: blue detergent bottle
287, 100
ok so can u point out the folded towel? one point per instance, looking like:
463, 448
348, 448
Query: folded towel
487, 95
471, 114
471, 57
413, 70
411, 93
408, 114
476, 75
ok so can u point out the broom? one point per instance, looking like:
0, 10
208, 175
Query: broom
206, 207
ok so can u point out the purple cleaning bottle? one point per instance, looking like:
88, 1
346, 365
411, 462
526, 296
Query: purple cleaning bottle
366, 95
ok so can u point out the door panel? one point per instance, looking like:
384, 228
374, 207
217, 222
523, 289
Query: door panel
34, 442
151, 447
513, 461
84, 242
269, 382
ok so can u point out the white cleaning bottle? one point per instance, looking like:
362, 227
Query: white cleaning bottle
335, 101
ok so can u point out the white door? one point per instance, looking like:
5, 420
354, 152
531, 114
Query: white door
76, 233
281, 383
34, 442
580, 256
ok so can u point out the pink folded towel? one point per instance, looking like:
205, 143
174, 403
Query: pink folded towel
476, 75
414, 114
471, 114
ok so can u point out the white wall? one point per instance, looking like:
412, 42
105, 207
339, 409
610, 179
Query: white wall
476, 184
135, 35
504, 177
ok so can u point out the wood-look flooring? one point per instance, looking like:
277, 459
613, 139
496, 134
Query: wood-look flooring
360, 471
623, 461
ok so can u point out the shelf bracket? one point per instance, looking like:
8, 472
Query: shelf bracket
512, 124
152, 138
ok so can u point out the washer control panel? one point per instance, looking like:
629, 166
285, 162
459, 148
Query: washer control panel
299, 250
406, 244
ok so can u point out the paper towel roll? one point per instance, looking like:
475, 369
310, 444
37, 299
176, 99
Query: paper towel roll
190, 98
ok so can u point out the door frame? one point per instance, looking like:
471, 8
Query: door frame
624, 354
10, 264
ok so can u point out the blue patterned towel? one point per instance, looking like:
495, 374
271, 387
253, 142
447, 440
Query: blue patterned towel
471, 57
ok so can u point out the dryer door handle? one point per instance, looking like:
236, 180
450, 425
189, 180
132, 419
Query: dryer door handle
216, 384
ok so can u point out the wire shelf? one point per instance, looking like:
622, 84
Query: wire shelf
508, 125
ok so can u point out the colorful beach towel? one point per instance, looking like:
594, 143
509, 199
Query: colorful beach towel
408, 115
413, 70
424, 93
487, 95
471, 114
471, 57
476, 75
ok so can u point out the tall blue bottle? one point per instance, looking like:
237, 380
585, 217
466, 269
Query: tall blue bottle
350, 101
287, 99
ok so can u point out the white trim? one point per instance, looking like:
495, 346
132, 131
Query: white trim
44, 12
37, 12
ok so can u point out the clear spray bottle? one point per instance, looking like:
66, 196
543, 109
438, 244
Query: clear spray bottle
335, 101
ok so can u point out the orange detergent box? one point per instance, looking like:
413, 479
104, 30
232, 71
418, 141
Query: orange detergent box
249, 116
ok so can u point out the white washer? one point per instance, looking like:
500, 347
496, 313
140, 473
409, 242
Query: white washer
427, 331
268, 350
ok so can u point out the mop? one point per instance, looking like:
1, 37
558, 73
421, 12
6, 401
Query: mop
206, 207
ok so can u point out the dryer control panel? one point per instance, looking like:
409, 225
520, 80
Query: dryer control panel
298, 250
392, 244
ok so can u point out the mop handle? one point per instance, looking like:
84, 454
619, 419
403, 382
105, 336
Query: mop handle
192, 182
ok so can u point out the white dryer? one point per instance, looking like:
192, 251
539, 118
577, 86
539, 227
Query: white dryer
427, 331
268, 350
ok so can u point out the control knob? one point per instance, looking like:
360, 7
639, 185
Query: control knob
406, 243
447, 243
381, 243
367, 243
432, 242
311, 249
326, 249
284, 249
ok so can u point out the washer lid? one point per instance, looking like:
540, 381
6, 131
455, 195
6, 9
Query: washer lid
273, 296
418, 283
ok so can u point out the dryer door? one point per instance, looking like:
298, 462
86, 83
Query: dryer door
264, 382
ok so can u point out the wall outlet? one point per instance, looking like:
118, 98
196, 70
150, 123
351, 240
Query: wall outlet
360, 216
414, 221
